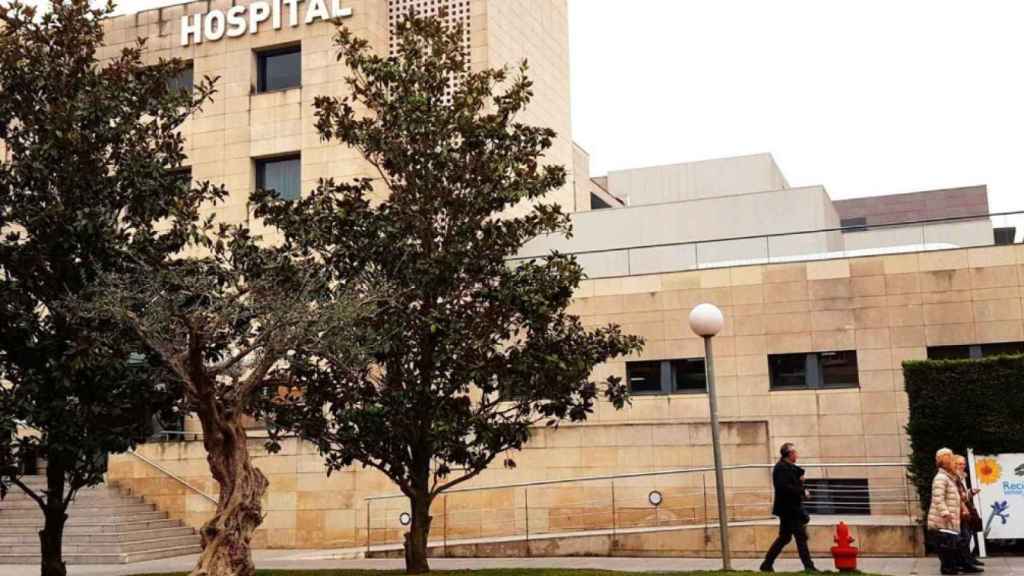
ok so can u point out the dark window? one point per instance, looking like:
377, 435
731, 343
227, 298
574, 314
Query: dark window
974, 351
182, 81
953, 352
597, 203
644, 377
788, 370
688, 375
813, 370
182, 175
282, 175
1004, 235
839, 369
666, 376
838, 496
854, 224
279, 69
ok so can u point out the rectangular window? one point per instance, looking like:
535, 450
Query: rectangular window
838, 496
682, 375
644, 377
282, 175
813, 370
182, 176
688, 375
839, 369
788, 370
182, 81
854, 224
279, 69
975, 351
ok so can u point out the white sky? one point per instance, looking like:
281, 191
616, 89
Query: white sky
864, 96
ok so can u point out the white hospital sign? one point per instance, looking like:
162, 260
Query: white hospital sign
242, 19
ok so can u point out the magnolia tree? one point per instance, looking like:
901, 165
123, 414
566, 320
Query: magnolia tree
87, 153
224, 325
471, 349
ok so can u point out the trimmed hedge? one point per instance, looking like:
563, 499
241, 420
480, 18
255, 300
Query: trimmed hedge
962, 404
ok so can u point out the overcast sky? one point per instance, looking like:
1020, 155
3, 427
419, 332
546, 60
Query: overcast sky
866, 97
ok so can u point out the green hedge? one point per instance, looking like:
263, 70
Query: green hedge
959, 404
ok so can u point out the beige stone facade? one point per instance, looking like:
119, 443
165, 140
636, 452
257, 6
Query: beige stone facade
888, 309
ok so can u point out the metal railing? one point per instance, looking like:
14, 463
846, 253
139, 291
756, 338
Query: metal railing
621, 503
173, 476
808, 245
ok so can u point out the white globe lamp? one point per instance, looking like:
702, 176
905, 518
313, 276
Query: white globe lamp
706, 320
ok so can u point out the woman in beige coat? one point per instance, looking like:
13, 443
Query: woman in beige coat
944, 511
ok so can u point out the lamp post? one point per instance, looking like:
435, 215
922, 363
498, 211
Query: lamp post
706, 321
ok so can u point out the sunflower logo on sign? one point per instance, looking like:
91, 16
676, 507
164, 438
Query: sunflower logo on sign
988, 470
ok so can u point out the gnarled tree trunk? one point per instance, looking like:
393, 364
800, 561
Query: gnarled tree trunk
51, 537
226, 537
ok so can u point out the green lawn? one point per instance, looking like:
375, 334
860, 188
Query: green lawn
506, 572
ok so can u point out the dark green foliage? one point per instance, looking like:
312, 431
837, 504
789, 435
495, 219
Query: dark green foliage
468, 351
961, 404
86, 187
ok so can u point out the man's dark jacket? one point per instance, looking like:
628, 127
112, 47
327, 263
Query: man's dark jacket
789, 491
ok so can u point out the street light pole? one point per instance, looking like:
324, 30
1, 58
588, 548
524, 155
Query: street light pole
706, 321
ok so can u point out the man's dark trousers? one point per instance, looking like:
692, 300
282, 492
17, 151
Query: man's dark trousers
790, 527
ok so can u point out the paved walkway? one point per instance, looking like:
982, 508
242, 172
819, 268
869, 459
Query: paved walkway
322, 559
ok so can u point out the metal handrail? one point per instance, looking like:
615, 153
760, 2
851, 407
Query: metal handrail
647, 474
173, 476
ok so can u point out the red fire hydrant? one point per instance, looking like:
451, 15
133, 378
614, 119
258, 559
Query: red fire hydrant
844, 555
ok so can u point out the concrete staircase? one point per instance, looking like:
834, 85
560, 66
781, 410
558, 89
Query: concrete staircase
104, 526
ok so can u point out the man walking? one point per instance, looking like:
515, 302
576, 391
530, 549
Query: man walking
788, 480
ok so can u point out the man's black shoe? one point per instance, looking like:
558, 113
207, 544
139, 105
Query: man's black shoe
811, 568
766, 568
948, 572
971, 570
977, 562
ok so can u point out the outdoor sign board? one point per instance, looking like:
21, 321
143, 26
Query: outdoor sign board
246, 18
1001, 500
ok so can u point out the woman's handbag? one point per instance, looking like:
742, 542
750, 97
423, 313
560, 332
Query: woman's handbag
974, 522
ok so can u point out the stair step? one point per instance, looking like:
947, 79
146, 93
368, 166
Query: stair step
108, 539
70, 548
105, 526
111, 527
27, 518
106, 558
86, 509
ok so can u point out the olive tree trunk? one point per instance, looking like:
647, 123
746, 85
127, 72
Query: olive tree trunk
226, 537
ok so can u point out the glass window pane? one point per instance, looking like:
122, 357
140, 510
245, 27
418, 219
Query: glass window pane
281, 175
789, 370
688, 375
949, 352
1002, 349
839, 369
644, 377
183, 81
280, 69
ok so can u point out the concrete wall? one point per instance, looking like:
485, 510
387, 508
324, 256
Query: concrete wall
620, 235
695, 180
538, 31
